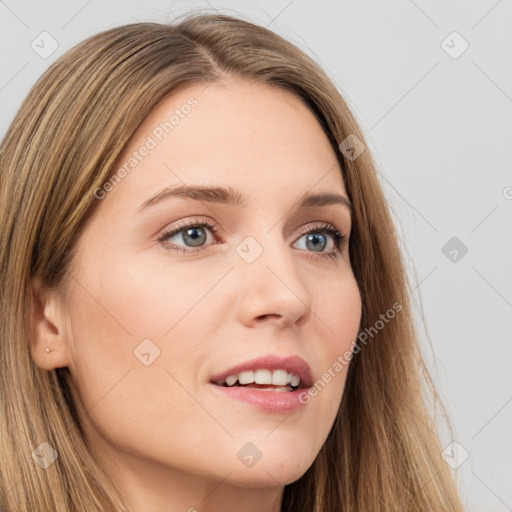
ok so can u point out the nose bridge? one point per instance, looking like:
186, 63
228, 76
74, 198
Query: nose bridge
263, 246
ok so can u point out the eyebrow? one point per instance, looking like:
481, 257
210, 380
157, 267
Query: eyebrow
234, 198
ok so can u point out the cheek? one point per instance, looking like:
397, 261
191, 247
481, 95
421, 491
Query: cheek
336, 308
336, 314
138, 331
145, 297
133, 381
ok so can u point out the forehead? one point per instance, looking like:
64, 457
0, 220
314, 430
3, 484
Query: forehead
252, 137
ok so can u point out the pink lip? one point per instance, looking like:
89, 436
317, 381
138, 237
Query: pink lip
293, 364
269, 401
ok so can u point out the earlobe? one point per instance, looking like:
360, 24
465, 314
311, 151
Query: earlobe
48, 343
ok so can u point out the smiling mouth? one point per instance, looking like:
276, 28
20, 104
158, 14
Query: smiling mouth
267, 373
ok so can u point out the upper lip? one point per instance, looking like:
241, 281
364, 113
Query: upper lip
293, 364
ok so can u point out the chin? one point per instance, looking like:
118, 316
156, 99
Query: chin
272, 473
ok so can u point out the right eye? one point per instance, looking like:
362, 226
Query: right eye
190, 231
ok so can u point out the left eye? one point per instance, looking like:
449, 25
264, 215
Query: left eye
195, 234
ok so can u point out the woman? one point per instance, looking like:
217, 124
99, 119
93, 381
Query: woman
204, 305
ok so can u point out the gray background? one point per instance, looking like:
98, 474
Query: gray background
439, 126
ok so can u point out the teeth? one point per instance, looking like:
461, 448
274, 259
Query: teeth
230, 381
246, 377
280, 378
264, 376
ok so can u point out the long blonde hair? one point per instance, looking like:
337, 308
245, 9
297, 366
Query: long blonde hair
383, 452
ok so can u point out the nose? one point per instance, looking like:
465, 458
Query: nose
270, 288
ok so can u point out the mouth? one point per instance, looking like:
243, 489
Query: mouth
269, 373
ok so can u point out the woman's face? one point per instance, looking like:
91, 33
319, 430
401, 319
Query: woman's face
151, 318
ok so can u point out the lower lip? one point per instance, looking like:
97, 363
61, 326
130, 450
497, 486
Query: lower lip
268, 401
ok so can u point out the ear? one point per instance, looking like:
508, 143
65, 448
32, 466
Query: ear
47, 328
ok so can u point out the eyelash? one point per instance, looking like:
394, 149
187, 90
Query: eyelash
318, 227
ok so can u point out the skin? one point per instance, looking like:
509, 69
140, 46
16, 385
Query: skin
164, 438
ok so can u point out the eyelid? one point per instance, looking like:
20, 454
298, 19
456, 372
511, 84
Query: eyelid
190, 222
